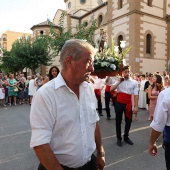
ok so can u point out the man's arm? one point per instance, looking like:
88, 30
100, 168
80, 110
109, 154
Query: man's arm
47, 157
99, 147
136, 97
152, 147
115, 85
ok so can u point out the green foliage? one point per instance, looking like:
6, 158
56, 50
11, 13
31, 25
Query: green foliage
39, 53
28, 53
58, 40
10, 64
41, 50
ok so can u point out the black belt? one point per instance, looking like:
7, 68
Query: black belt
89, 165
80, 168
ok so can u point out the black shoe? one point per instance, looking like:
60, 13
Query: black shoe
127, 140
100, 114
119, 142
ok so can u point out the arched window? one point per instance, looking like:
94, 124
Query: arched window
69, 5
120, 4
99, 2
82, 1
149, 2
100, 19
120, 38
85, 23
148, 43
41, 32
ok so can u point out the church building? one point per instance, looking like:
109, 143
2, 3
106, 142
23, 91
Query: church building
143, 24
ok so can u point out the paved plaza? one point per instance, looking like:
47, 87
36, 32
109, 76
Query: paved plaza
15, 133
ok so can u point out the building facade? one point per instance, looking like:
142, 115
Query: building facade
144, 24
44, 29
8, 38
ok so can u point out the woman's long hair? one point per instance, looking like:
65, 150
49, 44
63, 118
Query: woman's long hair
50, 72
158, 84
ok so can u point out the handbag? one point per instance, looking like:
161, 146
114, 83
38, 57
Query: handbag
15, 89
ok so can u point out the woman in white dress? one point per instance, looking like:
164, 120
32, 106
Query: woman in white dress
32, 88
2, 93
142, 93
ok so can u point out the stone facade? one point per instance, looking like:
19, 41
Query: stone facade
144, 24
44, 29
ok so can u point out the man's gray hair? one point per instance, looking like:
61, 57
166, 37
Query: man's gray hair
74, 48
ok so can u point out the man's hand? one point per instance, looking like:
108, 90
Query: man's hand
100, 163
135, 110
152, 150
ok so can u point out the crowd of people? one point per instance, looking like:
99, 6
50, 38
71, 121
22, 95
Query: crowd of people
21, 89
149, 86
72, 98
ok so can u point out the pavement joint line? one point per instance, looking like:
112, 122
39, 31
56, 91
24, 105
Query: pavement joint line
18, 133
121, 160
13, 157
131, 131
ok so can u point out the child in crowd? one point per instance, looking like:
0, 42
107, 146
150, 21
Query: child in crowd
2, 93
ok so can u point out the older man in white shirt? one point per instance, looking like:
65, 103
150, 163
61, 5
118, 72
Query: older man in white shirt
64, 121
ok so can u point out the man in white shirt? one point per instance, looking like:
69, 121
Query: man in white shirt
64, 121
125, 88
161, 123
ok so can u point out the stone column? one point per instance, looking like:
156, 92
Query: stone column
168, 38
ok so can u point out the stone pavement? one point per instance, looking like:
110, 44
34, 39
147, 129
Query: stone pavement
15, 133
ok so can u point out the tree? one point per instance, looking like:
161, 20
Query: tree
40, 53
58, 40
10, 64
30, 53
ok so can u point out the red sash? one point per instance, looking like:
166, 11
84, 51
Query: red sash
126, 99
107, 89
98, 93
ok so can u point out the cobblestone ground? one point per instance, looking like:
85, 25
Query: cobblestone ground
15, 153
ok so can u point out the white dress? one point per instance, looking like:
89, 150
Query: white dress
2, 93
142, 95
32, 88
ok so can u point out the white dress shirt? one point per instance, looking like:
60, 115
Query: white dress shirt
162, 111
128, 86
67, 123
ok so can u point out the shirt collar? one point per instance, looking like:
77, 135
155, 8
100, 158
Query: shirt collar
59, 82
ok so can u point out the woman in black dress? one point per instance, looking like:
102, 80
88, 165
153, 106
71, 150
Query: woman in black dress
21, 89
147, 84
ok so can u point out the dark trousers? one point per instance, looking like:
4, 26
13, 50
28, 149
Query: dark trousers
166, 146
89, 166
99, 102
120, 109
107, 103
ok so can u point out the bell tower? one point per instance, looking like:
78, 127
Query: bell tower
72, 6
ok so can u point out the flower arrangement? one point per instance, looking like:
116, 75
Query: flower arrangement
109, 59
106, 61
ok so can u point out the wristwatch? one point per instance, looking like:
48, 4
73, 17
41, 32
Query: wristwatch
101, 154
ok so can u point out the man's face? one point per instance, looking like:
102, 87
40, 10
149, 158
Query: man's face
126, 73
83, 67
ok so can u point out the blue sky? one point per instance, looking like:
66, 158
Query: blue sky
21, 15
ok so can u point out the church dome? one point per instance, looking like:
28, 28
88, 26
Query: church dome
74, 5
